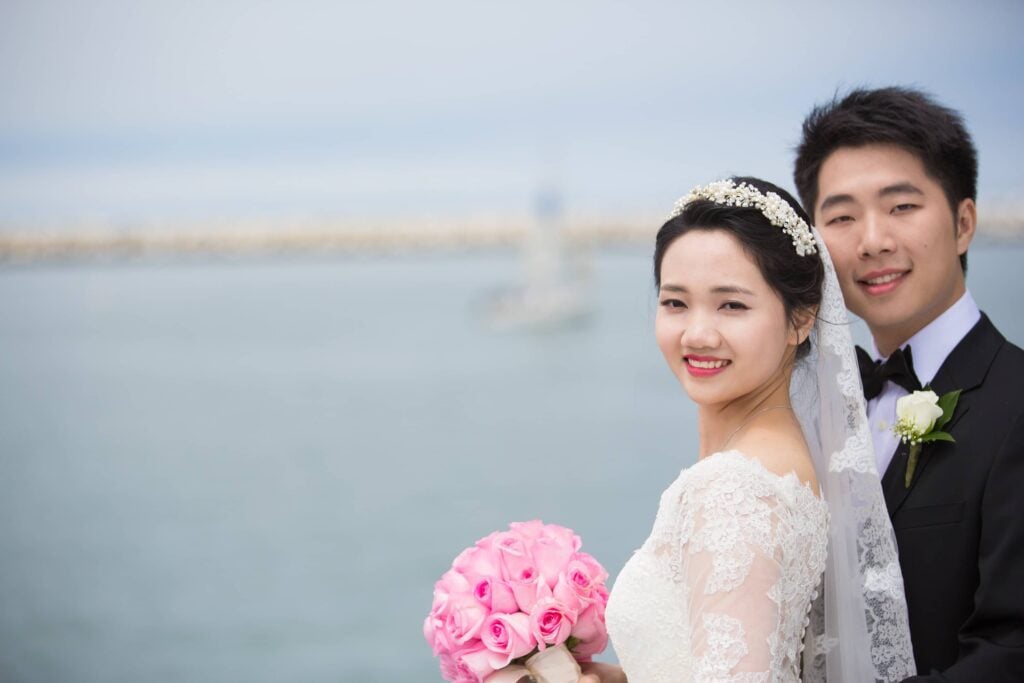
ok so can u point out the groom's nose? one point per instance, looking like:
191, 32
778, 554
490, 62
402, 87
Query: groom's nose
875, 234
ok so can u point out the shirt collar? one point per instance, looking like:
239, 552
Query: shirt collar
937, 339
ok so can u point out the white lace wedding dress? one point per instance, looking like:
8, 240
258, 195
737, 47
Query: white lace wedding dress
721, 589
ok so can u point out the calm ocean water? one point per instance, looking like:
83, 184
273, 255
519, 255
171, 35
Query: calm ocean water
255, 471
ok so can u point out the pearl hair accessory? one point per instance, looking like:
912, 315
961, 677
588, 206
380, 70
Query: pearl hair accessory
776, 209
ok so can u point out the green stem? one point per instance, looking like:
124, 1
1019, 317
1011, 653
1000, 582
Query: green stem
915, 450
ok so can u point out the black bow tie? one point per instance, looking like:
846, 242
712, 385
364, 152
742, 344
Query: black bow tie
897, 368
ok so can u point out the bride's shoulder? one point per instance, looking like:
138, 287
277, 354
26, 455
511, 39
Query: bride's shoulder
779, 454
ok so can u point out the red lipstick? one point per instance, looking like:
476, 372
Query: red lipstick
704, 366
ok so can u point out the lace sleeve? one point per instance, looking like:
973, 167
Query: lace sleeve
731, 627
731, 569
752, 550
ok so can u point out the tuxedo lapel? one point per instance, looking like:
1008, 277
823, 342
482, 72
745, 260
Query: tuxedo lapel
967, 364
965, 369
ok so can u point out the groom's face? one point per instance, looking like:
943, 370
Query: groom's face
894, 239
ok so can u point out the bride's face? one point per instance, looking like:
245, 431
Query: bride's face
722, 329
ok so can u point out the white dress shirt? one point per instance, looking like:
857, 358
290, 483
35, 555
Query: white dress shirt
929, 347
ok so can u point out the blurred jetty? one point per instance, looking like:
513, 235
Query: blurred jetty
284, 236
241, 238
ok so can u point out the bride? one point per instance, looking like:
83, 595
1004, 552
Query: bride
772, 558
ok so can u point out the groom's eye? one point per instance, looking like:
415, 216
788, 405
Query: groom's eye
900, 208
838, 219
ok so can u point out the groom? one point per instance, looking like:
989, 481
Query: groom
889, 177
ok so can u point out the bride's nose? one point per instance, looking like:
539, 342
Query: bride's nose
701, 332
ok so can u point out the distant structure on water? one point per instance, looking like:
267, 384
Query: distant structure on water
553, 293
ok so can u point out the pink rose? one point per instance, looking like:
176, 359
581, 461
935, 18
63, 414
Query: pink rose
455, 671
514, 556
563, 536
591, 631
469, 665
495, 595
584, 575
436, 634
506, 636
551, 557
529, 531
464, 618
476, 562
441, 624
597, 572
551, 622
431, 626
528, 588
452, 583
601, 591
535, 529
566, 595
434, 625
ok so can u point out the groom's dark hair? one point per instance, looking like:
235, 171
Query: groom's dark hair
904, 117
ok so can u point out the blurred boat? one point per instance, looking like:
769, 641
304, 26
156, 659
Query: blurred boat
554, 292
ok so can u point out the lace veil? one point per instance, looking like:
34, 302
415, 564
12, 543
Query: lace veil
858, 628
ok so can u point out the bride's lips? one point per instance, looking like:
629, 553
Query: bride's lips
880, 282
704, 366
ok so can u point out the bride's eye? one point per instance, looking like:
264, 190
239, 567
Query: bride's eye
672, 303
735, 306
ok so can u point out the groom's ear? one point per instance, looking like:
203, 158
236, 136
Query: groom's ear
966, 224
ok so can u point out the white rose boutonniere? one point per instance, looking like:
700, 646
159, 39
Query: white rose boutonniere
920, 417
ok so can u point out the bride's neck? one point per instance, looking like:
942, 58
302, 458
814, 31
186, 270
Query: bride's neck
718, 423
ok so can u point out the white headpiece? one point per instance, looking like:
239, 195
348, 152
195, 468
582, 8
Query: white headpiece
776, 209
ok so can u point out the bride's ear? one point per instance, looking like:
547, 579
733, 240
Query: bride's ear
803, 321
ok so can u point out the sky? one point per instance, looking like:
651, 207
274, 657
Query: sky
131, 110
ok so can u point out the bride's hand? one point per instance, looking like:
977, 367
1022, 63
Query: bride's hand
599, 672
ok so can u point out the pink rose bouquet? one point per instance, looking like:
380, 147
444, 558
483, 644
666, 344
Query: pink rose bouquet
520, 602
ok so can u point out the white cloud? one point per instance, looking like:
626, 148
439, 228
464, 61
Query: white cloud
641, 97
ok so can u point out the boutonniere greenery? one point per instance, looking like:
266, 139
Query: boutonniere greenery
920, 417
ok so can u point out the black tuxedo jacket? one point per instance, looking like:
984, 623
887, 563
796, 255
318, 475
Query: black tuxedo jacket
960, 525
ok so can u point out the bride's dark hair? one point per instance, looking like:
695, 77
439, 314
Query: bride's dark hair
797, 279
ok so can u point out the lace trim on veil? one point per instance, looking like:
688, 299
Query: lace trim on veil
854, 635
